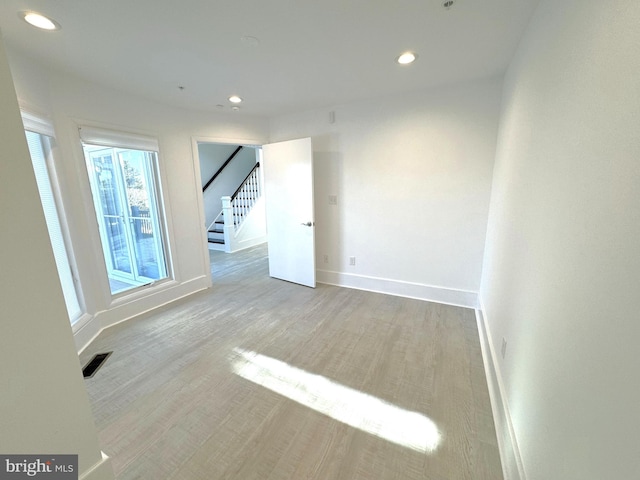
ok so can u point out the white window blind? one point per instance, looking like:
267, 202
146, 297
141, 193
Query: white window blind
39, 147
112, 138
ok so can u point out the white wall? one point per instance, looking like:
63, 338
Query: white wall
70, 102
561, 274
412, 174
212, 156
44, 408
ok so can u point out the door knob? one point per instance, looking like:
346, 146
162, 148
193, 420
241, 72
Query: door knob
307, 224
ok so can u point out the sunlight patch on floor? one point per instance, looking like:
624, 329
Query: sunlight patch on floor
356, 409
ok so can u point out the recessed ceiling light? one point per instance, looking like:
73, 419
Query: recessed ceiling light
235, 108
40, 21
406, 58
235, 99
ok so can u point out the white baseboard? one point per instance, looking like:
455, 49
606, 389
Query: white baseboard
102, 470
248, 243
449, 296
512, 466
84, 335
237, 246
126, 309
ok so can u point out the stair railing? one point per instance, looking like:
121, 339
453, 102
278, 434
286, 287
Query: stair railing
236, 207
215, 175
245, 197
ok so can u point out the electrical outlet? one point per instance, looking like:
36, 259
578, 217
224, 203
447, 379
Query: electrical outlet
352, 260
503, 350
325, 258
333, 200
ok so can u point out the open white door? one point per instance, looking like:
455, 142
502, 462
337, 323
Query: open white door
288, 187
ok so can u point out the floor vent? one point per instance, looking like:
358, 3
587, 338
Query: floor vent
94, 365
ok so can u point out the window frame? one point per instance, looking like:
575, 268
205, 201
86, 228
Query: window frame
118, 141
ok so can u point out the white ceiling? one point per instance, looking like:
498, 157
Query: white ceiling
310, 54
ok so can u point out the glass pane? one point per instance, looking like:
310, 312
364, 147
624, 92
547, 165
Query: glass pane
112, 211
139, 187
118, 244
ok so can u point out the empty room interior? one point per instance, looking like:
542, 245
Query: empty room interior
467, 223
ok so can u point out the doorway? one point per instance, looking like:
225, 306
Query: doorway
289, 199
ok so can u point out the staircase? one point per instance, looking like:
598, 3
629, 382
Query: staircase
235, 209
215, 233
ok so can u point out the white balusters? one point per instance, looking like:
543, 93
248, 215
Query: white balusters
246, 197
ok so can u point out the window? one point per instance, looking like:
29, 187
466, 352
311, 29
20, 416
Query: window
123, 173
40, 139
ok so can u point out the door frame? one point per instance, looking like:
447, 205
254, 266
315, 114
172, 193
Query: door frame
197, 183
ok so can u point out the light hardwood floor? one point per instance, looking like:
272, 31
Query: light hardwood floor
170, 404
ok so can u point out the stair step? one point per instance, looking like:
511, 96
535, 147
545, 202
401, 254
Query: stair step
216, 230
216, 240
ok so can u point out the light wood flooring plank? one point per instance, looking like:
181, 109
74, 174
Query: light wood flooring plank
168, 404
